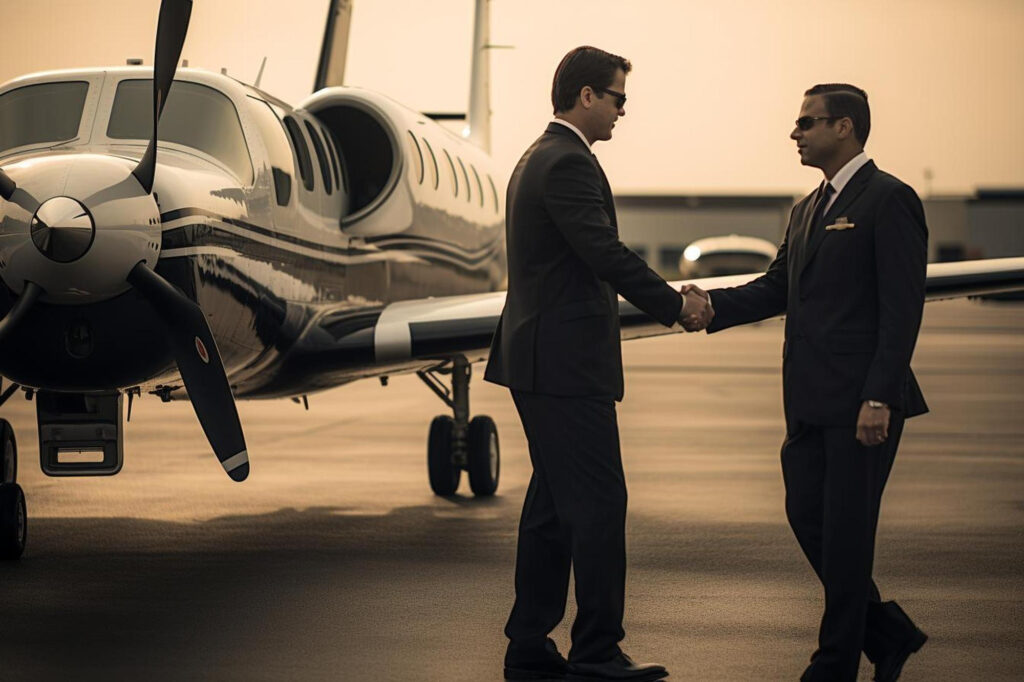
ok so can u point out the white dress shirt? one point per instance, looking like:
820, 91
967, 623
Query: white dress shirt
843, 175
562, 121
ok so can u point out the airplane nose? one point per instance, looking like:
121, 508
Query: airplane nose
63, 229
76, 225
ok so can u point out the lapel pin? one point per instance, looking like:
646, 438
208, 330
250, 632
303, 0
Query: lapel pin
841, 224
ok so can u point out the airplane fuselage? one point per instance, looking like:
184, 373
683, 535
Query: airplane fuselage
338, 208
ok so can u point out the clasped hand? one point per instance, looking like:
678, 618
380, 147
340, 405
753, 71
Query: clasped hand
697, 311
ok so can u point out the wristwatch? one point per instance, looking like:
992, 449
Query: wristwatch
876, 404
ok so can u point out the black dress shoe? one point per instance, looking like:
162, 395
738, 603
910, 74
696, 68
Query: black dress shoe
619, 668
889, 667
536, 662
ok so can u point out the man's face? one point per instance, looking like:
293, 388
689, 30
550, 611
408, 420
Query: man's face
605, 110
819, 143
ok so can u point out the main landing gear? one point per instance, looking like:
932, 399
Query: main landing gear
13, 519
458, 443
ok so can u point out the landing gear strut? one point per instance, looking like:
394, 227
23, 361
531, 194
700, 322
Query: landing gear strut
13, 518
457, 443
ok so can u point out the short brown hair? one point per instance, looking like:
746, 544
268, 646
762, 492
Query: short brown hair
584, 66
843, 100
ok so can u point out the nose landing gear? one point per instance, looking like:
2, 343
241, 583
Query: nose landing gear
457, 443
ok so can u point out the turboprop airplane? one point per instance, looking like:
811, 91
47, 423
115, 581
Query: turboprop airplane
207, 241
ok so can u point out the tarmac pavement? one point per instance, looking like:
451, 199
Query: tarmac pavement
335, 562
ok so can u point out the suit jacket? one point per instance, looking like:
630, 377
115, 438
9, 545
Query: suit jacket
559, 331
853, 300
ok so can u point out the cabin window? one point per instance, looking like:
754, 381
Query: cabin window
479, 187
465, 177
302, 151
417, 157
454, 177
321, 157
433, 163
220, 136
279, 152
48, 112
494, 193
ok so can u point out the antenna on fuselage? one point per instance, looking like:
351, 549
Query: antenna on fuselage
259, 76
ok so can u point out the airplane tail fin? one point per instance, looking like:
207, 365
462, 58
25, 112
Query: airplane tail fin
478, 117
331, 68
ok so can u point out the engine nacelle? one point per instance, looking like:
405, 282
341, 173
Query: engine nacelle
401, 166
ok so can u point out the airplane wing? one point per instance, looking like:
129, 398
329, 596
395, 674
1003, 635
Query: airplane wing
416, 334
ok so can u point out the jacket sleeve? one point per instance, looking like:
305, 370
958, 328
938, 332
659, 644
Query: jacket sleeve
758, 299
573, 198
901, 261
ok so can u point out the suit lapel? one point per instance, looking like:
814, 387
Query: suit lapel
607, 189
852, 190
561, 130
798, 236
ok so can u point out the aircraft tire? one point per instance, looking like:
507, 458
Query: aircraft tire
8, 453
483, 456
444, 475
13, 521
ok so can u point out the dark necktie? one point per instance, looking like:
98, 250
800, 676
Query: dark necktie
819, 210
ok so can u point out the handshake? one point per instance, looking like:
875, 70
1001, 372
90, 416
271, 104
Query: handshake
697, 312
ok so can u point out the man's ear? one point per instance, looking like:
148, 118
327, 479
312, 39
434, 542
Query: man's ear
587, 96
844, 128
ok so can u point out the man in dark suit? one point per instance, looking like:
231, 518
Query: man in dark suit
850, 278
557, 349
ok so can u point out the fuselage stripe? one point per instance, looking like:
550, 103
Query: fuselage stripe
379, 242
179, 243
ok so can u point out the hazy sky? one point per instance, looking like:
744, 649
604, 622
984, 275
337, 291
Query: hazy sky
714, 91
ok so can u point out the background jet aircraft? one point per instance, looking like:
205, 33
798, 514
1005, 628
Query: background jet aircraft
209, 241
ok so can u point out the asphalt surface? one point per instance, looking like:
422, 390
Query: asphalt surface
335, 562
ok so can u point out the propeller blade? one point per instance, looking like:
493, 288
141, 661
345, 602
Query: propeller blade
201, 368
17, 195
7, 185
21, 306
170, 38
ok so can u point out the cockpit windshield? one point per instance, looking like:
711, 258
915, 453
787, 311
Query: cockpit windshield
37, 114
195, 116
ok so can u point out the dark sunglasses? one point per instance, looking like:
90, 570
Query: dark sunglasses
807, 122
620, 98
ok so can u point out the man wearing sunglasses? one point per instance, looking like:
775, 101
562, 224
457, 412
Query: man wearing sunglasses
557, 348
850, 278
